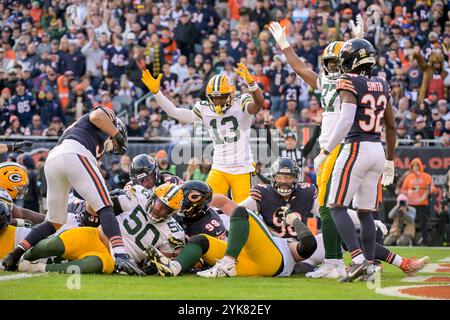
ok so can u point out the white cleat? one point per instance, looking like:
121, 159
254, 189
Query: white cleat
340, 267
29, 266
223, 268
327, 270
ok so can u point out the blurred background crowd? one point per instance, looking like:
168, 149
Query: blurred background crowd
60, 59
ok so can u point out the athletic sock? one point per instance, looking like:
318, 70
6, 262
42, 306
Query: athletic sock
329, 233
37, 233
237, 236
346, 229
111, 229
91, 264
388, 256
368, 235
189, 255
51, 247
397, 261
379, 233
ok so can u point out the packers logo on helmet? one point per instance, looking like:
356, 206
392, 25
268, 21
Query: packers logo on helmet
14, 179
166, 200
331, 53
220, 92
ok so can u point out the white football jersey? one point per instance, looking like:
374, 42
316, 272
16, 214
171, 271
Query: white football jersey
134, 195
331, 106
230, 133
139, 233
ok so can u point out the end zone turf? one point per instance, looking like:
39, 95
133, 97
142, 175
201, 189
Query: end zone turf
57, 286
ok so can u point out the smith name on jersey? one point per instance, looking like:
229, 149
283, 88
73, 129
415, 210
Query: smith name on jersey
230, 133
371, 99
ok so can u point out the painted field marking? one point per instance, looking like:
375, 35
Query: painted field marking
422, 292
445, 260
20, 276
427, 279
436, 268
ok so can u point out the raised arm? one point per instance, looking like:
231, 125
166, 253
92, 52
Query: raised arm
300, 68
254, 106
182, 115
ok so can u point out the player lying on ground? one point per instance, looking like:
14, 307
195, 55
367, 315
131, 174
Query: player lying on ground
89, 249
228, 121
251, 249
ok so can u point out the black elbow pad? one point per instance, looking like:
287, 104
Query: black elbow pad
307, 246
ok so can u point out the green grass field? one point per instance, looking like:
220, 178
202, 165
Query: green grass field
53, 286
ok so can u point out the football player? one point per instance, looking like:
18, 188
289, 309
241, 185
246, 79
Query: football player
89, 249
196, 216
284, 191
330, 101
144, 172
365, 110
13, 184
228, 120
251, 249
73, 163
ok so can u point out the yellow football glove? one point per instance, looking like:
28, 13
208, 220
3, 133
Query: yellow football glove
243, 72
151, 83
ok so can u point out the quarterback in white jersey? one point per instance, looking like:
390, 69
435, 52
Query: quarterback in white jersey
227, 119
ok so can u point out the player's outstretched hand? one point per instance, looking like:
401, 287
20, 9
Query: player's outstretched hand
279, 34
358, 29
18, 146
388, 173
243, 72
151, 83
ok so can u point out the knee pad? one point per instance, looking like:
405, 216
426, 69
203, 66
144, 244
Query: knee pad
240, 212
201, 240
307, 246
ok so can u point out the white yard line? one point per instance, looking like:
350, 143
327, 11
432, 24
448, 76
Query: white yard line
20, 276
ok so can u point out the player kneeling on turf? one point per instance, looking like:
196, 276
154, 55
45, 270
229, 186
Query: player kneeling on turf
251, 249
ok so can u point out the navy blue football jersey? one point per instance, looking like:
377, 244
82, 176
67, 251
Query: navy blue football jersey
210, 224
269, 201
372, 96
86, 133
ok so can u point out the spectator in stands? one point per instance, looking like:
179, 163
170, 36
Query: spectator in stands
155, 129
134, 129
55, 128
193, 165
417, 185
403, 228
49, 107
15, 128
162, 159
180, 68
78, 105
23, 104
36, 128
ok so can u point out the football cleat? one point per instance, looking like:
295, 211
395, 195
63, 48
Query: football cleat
340, 267
327, 270
370, 274
355, 271
159, 262
412, 265
8, 263
32, 266
128, 266
223, 268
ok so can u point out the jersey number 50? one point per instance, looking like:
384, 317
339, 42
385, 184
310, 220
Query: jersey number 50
375, 112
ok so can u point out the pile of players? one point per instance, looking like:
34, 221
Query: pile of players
161, 225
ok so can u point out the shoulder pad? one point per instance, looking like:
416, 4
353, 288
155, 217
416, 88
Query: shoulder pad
245, 99
345, 82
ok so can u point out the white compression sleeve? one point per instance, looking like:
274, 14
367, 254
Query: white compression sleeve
182, 115
249, 203
348, 111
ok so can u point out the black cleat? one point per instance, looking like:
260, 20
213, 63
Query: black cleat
128, 266
8, 263
355, 271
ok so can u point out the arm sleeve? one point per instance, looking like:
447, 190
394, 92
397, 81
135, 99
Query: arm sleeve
348, 111
249, 203
315, 208
311, 142
182, 115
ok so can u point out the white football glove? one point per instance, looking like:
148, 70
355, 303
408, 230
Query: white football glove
318, 161
279, 34
381, 226
358, 29
388, 173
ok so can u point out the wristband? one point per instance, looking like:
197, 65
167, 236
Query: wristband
283, 45
253, 87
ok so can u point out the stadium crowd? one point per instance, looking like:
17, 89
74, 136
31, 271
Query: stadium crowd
60, 59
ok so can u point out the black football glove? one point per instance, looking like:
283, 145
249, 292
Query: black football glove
121, 144
18, 146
